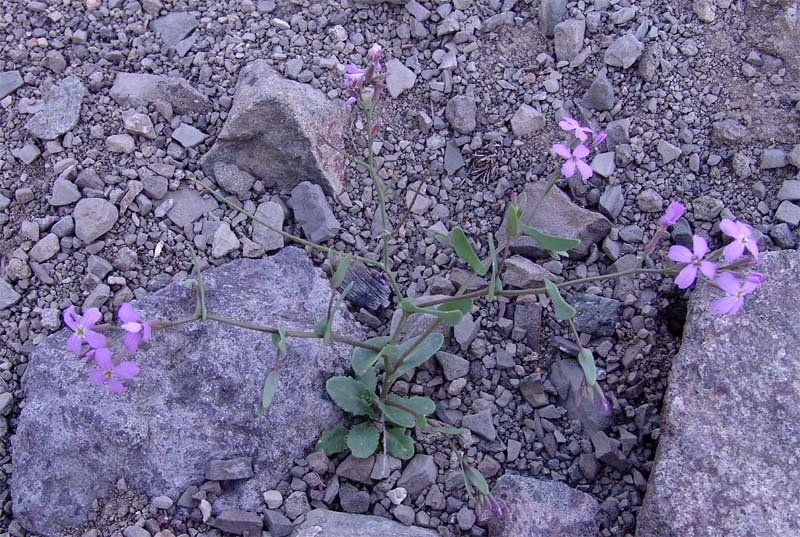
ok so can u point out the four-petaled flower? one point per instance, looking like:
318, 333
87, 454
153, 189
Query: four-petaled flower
574, 160
673, 214
82, 329
735, 290
693, 260
135, 329
109, 374
581, 133
353, 75
742, 238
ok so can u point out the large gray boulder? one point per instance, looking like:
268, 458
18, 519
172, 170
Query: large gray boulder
559, 216
540, 508
193, 402
729, 454
279, 131
322, 523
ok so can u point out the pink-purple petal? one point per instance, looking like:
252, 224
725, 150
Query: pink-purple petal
146, 331
127, 314
568, 124
131, 341
680, 254
97, 376
673, 213
568, 168
748, 287
115, 386
581, 151
752, 246
700, 246
71, 319
600, 138
132, 326
74, 343
94, 339
686, 277
126, 370
585, 169
727, 306
709, 269
729, 283
103, 360
91, 316
562, 151
733, 251
729, 227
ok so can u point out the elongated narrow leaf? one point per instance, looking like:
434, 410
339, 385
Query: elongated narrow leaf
326, 338
476, 479
419, 355
450, 318
586, 359
279, 339
463, 305
398, 443
563, 310
446, 430
512, 222
553, 243
493, 280
363, 440
396, 415
350, 395
418, 405
362, 359
268, 391
341, 271
464, 250
333, 440
443, 239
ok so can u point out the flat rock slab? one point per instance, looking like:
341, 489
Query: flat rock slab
279, 131
540, 508
322, 523
729, 455
193, 402
135, 89
61, 110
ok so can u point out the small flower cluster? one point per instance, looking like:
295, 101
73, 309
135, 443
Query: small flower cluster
357, 79
727, 273
487, 506
108, 371
575, 157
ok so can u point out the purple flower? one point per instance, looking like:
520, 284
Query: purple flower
568, 124
755, 277
487, 506
693, 261
353, 75
574, 160
599, 138
594, 394
109, 374
375, 52
742, 238
735, 290
673, 214
136, 330
82, 329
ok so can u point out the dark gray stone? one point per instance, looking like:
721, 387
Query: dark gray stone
192, 402
61, 110
481, 424
10, 81
332, 524
93, 218
238, 522
567, 377
453, 159
8, 296
234, 180
551, 12
600, 95
225, 469
356, 469
612, 201
728, 453
313, 213
353, 500
624, 51
461, 113
597, 315
453, 366
135, 89
277, 524
542, 508
568, 37
608, 451
188, 205
532, 389
281, 132
419, 474
173, 27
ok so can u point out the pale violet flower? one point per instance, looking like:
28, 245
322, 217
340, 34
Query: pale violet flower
735, 290
742, 238
574, 160
109, 374
693, 261
673, 214
136, 330
82, 329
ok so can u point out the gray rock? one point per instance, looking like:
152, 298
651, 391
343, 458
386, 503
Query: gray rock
121, 143
419, 474
551, 12
162, 502
353, 500
227, 469
600, 95
188, 205
139, 124
649, 201
313, 213
481, 424
612, 201
728, 132
399, 78
790, 190
8, 297
597, 315
788, 212
277, 524
28, 153
404, 514
10, 81
45, 248
461, 112
618, 132
650, 62
188, 136
93, 218
783, 237
532, 389
542, 508
506, 18
559, 216
61, 110
279, 131
64, 193
705, 10
135, 89
449, 25
567, 377
604, 164
773, 158
707, 208
717, 383
173, 27
154, 186
466, 331
624, 51
238, 522
569, 39
357, 469
98, 297
324, 523
232, 179
420, 12
453, 366
88, 178
272, 214
453, 159
91, 439
794, 156
668, 151
135, 531
224, 241
526, 120
608, 450
296, 504
522, 273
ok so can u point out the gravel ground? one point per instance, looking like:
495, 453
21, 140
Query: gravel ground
713, 110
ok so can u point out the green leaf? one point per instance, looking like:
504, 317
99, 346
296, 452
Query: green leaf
419, 355
563, 310
464, 250
493, 279
333, 440
586, 359
362, 359
512, 222
326, 337
268, 391
350, 395
419, 405
463, 305
443, 239
476, 479
279, 339
396, 415
450, 318
398, 443
341, 271
553, 243
319, 328
446, 430
363, 440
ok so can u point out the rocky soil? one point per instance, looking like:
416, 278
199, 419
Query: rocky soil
701, 102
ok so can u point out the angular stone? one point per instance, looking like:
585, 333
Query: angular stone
618, 132
419, 474
453, 159
728, 132
135, 89
569, 39
461, 113
612, 201
650, 62
356, 469
522, 273
333, 524
551, 12
624, 51
607, 450
8, 296
188, 136
173, 27
453, 366
226, 469
557, 215
481, 424
727, 456
313, 213
161, 435
272, 214
28, 153
224, 241
542, 508
567, 377
121, 143
526, 120
600, 95
139, 124
788, 212
649, 201
61, 110
64, 193
399, 78
232, 179
532, 389
189, 205
790, 190
604, 164
773, 158
596, 315
45, 248
668, 151
277, 524
10, 81
238, 522
93, 218
353, 500
282, 132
